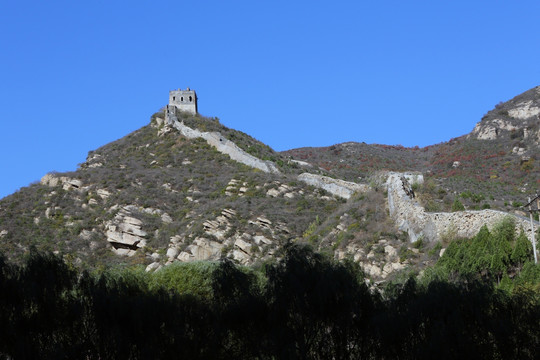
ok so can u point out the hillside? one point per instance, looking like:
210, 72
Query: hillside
496, 166
185, 188
154, 188
154, 197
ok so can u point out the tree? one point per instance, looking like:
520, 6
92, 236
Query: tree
522, 251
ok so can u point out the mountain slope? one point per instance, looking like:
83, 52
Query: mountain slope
170, 191
155, 196
496, 165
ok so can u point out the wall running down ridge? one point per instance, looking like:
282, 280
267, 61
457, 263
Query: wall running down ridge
223, 145
404, 209
341, 188
412, 218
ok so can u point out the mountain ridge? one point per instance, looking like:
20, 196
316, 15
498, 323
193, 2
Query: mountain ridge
157, 196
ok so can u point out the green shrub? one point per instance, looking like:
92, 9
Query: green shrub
193, 278
457, 205
418, 244
434, 251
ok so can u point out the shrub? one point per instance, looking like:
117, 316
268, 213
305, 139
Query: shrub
457, 205
193, 278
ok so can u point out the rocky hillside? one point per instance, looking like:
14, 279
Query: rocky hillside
159, 196
496, 166
185, 188
156, 195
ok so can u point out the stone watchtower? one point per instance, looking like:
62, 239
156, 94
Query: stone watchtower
184, 100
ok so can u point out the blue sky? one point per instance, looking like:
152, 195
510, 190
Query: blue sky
77, 75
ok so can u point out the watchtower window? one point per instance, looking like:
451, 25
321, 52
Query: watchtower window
190, 99
174, 98
182, 98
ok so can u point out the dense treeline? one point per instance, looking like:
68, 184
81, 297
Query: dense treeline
304, 306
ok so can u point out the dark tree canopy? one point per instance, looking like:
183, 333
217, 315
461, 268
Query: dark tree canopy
304, 306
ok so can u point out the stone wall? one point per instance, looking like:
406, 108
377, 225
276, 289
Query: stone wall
406, 212
184, 100
221, 144
412, 218
341, 188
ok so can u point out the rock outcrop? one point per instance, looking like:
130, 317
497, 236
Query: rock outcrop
490, 130
124, 232
524, 110
201, 249
520, 116
66, 182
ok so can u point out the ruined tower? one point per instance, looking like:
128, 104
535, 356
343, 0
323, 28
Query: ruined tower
184, 100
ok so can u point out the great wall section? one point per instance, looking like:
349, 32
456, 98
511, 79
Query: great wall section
407, 213
412, 218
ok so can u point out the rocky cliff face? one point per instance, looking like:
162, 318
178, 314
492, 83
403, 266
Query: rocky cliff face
517, 118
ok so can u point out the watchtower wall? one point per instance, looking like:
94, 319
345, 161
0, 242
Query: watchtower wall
184, 100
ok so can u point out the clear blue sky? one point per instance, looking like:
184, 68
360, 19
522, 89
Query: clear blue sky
76, 75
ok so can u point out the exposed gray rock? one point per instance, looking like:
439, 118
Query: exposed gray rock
240, 256
164, 130
50, 180
372, 270
243, 245
490, 129
260, 239
125, 230
201, 249
524, 110
102, 193
67, 183
172, 252
72, 184
272, 193
390, 251
152, 266
485, 132
228, 213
